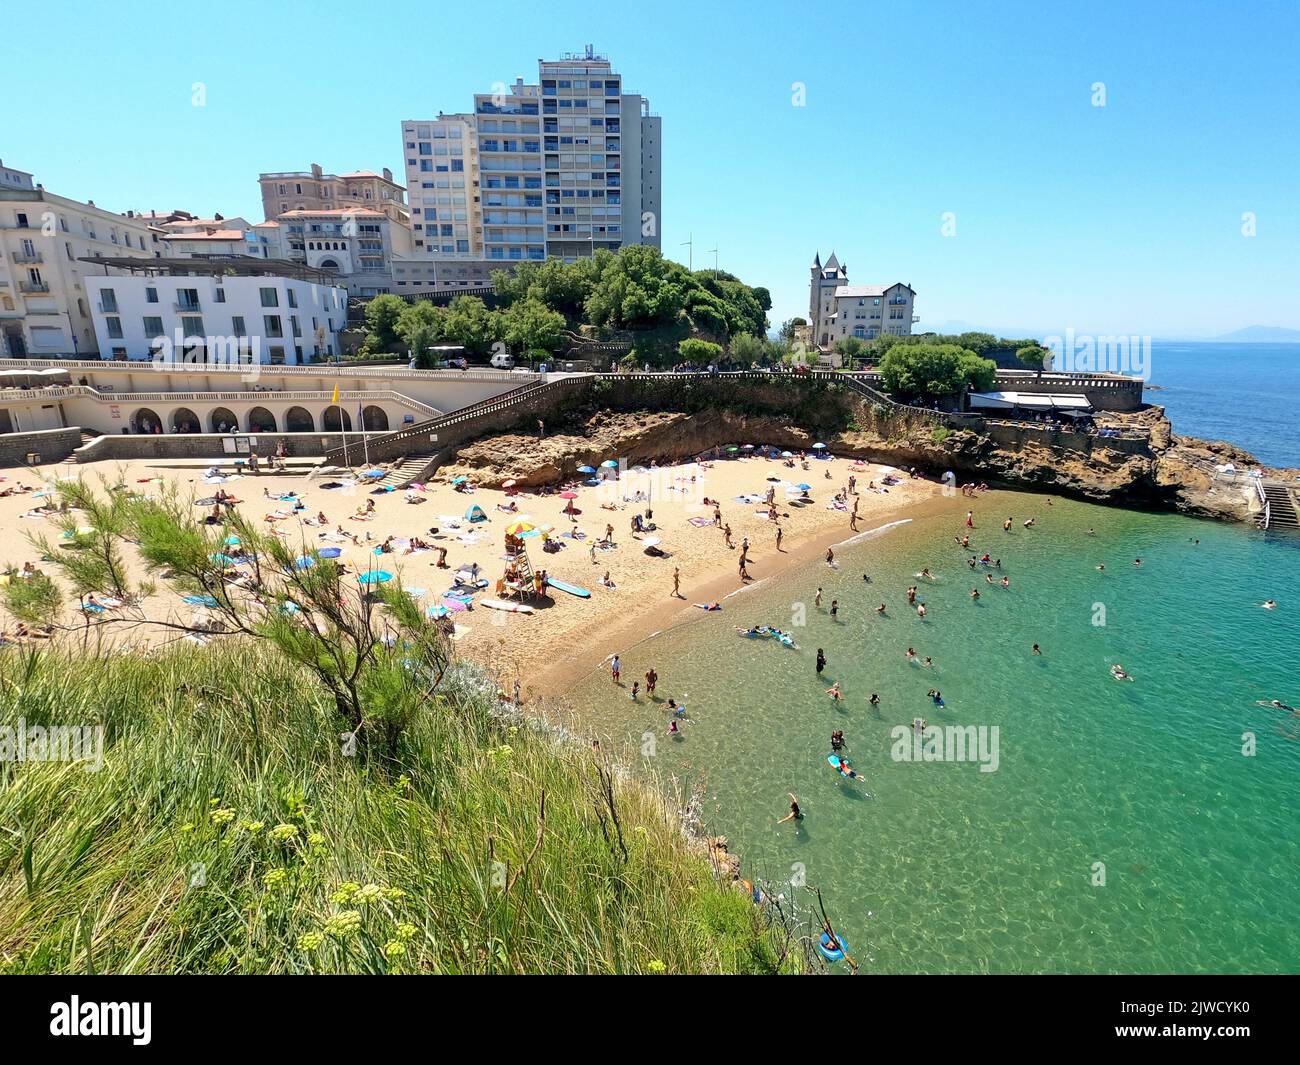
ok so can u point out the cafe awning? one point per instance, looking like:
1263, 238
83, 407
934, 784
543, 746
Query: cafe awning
1029, 400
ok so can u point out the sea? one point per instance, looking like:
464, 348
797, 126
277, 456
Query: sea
1084, 824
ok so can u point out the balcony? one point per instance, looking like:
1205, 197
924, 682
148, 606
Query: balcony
186, 308
28, 257
33, 286
898, 301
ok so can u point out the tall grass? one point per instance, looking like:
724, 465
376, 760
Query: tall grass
230, 831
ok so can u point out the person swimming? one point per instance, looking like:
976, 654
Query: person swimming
911, 654
935, 697
1269, 604
1119, 673
795, 813
834, 691
837, 740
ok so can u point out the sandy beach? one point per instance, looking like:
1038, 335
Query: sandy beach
565, 636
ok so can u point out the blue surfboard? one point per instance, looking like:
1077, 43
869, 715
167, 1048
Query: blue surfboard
565, 586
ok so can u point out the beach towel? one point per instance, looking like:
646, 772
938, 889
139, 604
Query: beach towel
699, 523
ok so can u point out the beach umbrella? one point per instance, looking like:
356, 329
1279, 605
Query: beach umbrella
732, 450
787, 454
651, 541
804, 487
586, 469
304, 562
330, 552
225, 560
568, 495
517, 527
459, 480
529, 534
610, 464
747, 447
508, 484
375, 576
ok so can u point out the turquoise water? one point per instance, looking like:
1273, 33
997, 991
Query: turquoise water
944, 868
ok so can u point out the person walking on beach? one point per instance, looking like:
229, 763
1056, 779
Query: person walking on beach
853, 520
677, 582
970, 519
651, 679
1006, 525
830, 556
726, 536
615, 669
778, 537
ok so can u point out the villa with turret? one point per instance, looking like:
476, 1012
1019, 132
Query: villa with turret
837, 309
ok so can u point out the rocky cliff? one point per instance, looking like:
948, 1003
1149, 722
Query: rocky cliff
1171, 472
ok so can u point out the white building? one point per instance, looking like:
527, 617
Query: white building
560, 168
45, 241
220, 311
837, 309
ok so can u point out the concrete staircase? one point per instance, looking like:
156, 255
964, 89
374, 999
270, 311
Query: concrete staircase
1281, 506
410, 469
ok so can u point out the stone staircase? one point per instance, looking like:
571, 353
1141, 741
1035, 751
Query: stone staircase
1281, 506
411, 468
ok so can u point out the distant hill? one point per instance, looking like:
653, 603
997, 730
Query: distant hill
1260, 334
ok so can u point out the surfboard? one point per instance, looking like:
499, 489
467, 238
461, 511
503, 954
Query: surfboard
512, 608
565, 586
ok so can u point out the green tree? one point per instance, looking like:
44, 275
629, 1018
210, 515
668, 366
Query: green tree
531, 324
700, 352
976, 342
748, 349
934, 370
638, 289
1033, 355
851, 347
468, 322
420, 326
789, 328
382, 314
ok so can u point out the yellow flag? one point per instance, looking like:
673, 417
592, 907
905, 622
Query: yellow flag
335, 400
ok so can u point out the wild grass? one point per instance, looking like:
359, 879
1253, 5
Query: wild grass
229, 830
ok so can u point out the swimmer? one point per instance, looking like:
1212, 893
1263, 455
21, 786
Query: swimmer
835, 609
1101, 568
1006, 582
1006, 525
881, 610
846, 770
1118, 672
928, 661
911, 655
926, 574
1035, 650
1269, 604
678, 709
837, 740
935, 697
1277, 704
795, 813
830, 556
1029, 524
866, 578
874, 700
821, 660
974, 593
1137, 562
920, 610
817, 599
834, 691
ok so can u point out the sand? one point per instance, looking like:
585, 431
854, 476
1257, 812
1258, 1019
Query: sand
565, 636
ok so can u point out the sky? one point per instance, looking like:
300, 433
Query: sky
957, 147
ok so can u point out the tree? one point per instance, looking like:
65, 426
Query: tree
789, 330
700, 352
851, 347
1033, 355
468, 322
638, 289
748, 349
977, 342
382, 314
529, 324
421, 326
934, 370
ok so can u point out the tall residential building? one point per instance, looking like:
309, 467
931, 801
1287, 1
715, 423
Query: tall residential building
837, 309
45, 309
559, 168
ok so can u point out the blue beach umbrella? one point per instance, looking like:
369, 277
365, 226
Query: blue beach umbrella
201, 600
305, 562
610, 464
375, 576
330, 552
225, 560
231, 541
586, 469
804, 487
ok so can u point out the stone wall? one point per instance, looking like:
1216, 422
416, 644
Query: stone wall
52, 445
208, 445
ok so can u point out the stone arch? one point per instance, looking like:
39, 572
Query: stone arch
299, 420
374, 419
145, 421
185, 420
330, 420
223, 416
261, 420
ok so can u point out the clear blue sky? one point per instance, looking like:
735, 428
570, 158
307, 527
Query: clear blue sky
1124, 218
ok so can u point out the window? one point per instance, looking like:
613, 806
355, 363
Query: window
153, 327
192, 326
151, 295
297, 329
187, 299
293, 298
237, 325
219, 295
108, 301
114, 327
270, 298
271, 323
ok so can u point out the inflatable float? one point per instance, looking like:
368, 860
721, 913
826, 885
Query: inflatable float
831, 953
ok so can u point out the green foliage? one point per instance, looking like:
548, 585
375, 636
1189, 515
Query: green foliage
851, 347
35, 599
700, 352
940, 433
934, 370
468, 322
382, 314
529, 324
421, 325
1034, 356
748, 349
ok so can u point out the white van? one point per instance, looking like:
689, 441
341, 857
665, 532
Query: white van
503, 361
